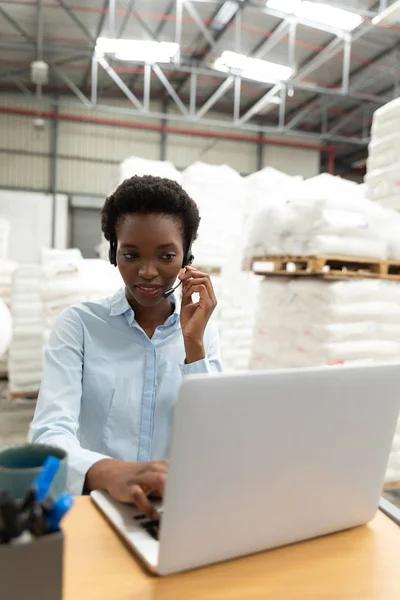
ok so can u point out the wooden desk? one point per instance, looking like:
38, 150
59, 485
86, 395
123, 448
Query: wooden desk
361, 564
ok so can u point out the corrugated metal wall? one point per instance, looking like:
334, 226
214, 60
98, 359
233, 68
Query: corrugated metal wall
89, 154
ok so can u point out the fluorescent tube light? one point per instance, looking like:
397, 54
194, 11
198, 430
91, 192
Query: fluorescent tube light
252, 68
225, 14
137, 50
318, 13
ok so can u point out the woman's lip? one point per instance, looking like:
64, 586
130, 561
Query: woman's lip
149, 290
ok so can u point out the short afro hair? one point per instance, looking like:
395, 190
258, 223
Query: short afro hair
148, 195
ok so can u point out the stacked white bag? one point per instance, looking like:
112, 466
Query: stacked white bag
237, 293
324, 215
25, 361
141, 166
6, 270
305, 322
70, 279
70, 283
219, 192
383, 179
5, 329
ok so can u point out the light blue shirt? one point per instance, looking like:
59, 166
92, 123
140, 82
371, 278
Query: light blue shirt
108, 390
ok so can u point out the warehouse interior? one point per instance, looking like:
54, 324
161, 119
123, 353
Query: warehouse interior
280, 118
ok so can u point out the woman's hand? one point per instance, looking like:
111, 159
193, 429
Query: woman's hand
132, 483
195, 315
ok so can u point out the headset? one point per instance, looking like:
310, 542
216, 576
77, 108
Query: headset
187, 260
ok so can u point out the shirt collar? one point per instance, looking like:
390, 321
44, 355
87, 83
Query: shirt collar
119, 305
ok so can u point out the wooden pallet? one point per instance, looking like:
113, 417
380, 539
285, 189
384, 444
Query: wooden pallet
209, 270
25, 396
392, 486
327, 267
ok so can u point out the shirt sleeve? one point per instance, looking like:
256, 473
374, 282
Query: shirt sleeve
56, 419
212, 362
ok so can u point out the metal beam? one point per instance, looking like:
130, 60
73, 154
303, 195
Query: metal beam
120, 83
196, 18
26, 91
215, 96
259, 105
273, 40
98, 34
343, 121
161, 76
74, 88
17, 26
76, 20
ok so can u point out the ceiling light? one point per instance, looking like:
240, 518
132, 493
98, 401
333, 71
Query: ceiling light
252, 68
389, 16
225, 13
322, 14
137, 50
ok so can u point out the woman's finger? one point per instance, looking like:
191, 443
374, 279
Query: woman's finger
140, 499
190, 289
195, 286
195, 274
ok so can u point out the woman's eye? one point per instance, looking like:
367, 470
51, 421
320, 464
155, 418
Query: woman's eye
130, 256
168, 256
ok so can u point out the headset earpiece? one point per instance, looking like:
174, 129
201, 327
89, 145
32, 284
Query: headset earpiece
112, 253
188, 258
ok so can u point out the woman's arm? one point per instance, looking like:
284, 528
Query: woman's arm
56, 419
200, 337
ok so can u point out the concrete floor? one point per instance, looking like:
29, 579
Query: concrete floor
14, 418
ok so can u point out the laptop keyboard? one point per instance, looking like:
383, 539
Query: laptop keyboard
152, 527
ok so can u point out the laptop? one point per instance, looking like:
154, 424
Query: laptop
262, 460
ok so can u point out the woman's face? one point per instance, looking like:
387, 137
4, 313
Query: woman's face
149, 256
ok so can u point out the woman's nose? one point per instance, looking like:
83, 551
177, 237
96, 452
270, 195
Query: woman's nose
148, 270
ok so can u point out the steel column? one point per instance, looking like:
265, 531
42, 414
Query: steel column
146, 87
163, 133
260, 151
236, 102
346, 64
178, 28
282, 108
95, 70
54, 173
193, 92
111, 17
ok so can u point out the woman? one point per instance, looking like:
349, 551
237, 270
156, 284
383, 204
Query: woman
113, 368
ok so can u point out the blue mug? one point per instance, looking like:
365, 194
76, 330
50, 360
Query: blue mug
20, 466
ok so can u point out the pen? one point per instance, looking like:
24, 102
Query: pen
46, 477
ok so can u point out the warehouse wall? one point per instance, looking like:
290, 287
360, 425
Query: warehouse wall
88, 154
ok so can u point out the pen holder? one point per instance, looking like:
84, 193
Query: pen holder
33, 569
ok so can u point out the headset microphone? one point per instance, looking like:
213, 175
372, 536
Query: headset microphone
188, 259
